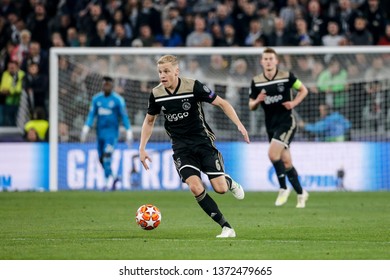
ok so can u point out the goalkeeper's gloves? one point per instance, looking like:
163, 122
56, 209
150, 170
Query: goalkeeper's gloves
84, 133
129, 137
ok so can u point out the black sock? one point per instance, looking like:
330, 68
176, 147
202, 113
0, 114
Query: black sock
292, 176
210, 207
280, 173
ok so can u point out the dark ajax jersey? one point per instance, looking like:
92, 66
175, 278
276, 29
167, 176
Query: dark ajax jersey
278, 90
184, 117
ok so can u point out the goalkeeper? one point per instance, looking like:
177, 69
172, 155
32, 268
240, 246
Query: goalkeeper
109, 107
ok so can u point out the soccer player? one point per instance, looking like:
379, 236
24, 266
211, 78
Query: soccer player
272, 90
109, 108
180, 100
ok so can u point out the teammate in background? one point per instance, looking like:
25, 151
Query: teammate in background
180, 99
272, 90
109, 107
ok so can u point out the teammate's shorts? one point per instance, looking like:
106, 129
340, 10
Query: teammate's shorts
282, 134
202, 158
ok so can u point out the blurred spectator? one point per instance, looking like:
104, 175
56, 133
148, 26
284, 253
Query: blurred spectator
24, 45
131, 14
290, 13
378, 71
301, 36
360, 36
223, 16
4, 32
316, 22
38, 23
279, 37
146, 35
374, 111
332, 83
111, 6
16, 25
376, 20
118, 18
178, 22
193, 69
61, 24
83, 40
36, 130
357, 97
119, 39
7, 7
346, 15
36, 86
56, 40
385, 39
333, 38
255, 32
10, 90
101, 39
230, 38
168, 37
88, 19
244, 16
150, 16
72, 37
199, 37
37, 55
267, 19
332, 126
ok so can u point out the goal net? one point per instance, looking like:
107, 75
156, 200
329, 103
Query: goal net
353, 81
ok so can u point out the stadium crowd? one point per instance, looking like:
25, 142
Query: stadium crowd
29, 28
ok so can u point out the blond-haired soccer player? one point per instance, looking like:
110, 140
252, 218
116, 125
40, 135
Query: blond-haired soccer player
272, 90
180, 100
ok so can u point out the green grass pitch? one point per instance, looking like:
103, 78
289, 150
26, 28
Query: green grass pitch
101, 226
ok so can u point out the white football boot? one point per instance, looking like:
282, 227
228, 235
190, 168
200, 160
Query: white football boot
302, 198
282, 197
227, 232
237, 190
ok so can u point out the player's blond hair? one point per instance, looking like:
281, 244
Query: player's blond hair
168, 59
270, 50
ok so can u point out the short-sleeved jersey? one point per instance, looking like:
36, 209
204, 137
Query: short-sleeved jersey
184, 117
109, 110
278, 90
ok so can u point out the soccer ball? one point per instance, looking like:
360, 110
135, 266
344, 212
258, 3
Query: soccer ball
148, 217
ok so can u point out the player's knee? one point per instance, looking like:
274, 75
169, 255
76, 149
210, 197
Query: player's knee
273, 156
195, 184
220, 185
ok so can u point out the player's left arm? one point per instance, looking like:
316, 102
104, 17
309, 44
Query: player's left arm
231, 113
302, 93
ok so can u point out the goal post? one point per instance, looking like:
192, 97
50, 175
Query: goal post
75, 75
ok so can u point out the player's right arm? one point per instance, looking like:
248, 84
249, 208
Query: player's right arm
89, 121
255, 98
146, 133
147, 129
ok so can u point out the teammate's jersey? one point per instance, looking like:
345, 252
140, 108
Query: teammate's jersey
278, 90
184, 117
109, 110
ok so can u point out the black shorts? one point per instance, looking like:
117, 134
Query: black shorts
197, 159
282, 134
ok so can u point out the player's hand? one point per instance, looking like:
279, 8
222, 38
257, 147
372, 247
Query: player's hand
289, 105
244, 133
261, 97
129, 137
143, 156
84, 133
